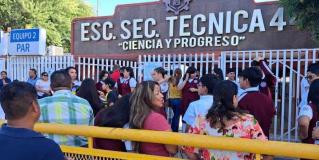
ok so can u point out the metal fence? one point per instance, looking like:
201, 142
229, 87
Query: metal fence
89, 67
288, 65
18, 66
205, 62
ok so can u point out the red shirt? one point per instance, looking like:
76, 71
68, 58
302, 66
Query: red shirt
116, 75
188, 96
155, 121
124, 87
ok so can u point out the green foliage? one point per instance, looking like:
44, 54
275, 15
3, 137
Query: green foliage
53, 15
305, 13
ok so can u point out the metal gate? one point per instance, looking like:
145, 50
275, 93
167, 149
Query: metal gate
18, 66
89, 67
204, 62
290, 67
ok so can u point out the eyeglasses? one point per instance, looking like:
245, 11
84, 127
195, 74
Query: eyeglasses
45, 75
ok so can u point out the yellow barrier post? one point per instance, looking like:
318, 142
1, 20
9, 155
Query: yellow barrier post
258, 157
90, 142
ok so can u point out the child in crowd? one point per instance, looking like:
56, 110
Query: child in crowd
253, 100
126, 83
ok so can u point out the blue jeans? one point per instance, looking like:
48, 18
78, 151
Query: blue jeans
175, 104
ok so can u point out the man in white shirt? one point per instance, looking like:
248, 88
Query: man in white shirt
200, 107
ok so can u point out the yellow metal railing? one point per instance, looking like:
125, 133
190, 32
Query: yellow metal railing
282, 149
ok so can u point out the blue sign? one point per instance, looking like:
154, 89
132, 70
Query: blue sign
25, 35
27, 42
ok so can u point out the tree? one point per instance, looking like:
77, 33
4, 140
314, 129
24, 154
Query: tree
305, 13
53, 15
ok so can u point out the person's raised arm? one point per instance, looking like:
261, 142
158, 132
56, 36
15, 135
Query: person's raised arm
165, 79
271, 78
182, 83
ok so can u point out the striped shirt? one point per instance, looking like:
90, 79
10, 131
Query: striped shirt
65, 108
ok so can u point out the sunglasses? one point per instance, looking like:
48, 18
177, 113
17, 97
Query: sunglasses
45, 75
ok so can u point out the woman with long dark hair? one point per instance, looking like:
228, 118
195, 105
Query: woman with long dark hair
225, 119
88, 91
115, 116
175, 96
146, 104
189, 88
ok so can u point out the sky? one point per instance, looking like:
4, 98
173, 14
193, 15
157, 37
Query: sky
107, 7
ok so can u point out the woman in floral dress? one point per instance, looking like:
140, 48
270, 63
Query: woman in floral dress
225, 119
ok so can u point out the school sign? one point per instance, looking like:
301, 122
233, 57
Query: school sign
177, 26
27, 42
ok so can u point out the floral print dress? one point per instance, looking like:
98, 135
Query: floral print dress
245, 126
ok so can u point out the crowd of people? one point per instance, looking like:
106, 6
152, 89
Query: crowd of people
212, 105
